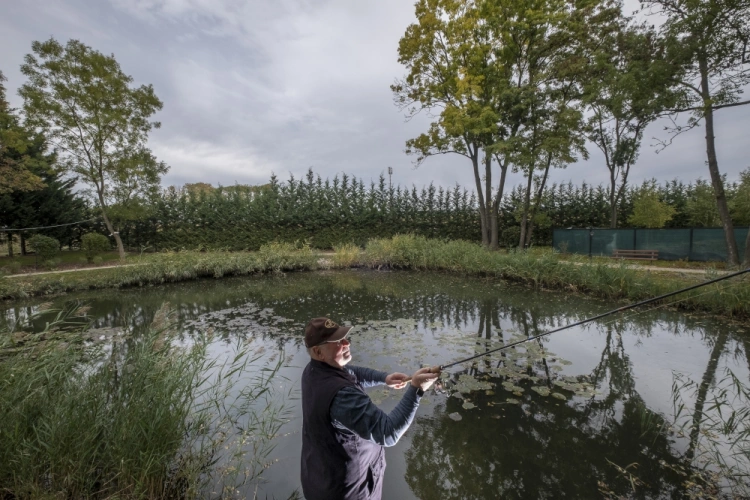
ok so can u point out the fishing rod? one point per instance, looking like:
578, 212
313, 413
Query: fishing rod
438, 369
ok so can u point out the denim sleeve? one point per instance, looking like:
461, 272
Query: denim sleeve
367, 377
352, 410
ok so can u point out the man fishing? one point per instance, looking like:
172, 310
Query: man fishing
343, 431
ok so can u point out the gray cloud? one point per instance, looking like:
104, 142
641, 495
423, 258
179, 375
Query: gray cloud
251, 88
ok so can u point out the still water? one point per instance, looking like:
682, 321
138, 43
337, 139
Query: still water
618, 408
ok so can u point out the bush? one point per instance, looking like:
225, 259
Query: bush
346, 255
93, 244
14, 267
47, 248
51, 263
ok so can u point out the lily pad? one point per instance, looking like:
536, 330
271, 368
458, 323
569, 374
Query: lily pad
541, 390
468, 406
455, 416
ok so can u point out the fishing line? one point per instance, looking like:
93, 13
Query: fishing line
594, 318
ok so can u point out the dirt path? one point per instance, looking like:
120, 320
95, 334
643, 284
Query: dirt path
23, 275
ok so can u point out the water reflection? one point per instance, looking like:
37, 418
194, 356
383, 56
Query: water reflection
585, 413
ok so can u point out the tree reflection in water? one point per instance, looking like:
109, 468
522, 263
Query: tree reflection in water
544, 447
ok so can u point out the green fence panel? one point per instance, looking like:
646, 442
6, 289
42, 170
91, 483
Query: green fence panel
606, 241
699, 244
672, 244
709, 243
571, 240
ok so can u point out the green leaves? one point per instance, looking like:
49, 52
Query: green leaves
85, 105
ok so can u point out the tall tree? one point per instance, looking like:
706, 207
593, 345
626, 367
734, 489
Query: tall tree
15, 161
709, 40
448, 55
85, 104
628, 89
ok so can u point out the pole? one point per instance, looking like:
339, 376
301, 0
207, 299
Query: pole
588, 320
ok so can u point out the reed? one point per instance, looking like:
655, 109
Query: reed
345, 256
546, 270
129, 418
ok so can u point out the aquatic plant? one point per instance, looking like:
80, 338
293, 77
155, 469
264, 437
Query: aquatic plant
130, 417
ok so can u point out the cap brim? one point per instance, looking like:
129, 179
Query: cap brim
339, 334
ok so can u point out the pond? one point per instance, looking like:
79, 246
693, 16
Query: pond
621, 407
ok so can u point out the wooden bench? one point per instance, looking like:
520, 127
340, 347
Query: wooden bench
636, 254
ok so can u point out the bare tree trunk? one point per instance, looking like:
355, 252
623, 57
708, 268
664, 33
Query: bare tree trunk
525, 216
612, 200
713, 168
498, 200
538, 200
110, 228
10, 245
480, 196
23, 243
491, 212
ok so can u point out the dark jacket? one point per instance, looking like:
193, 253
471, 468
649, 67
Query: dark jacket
335, 464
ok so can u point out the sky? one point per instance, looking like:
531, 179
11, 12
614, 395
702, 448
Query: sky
252, 88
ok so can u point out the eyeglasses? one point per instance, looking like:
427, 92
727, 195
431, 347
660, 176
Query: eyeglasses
338, 342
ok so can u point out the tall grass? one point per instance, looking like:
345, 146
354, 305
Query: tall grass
165, 268
130, 418
547, 270
345, 256
716, 421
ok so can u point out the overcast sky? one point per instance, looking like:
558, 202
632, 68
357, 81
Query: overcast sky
255, 87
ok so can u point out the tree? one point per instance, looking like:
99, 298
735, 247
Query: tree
709, 41
15, 160
496, 70
648, 209
627, 90
84, 103
701, 205
132, 191
448, 54
52, 205
740, 208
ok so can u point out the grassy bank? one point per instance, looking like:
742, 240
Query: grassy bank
547, 270
598, 277
161, 268
129, 417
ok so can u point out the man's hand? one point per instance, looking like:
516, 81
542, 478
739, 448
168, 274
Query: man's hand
396, 380
424, 378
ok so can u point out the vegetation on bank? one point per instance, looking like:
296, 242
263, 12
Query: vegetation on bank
156, 269
130, 416
598, 277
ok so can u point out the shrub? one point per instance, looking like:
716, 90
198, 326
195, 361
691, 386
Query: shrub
51, 263
93, 244
47, 248
14, 267
346, 255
